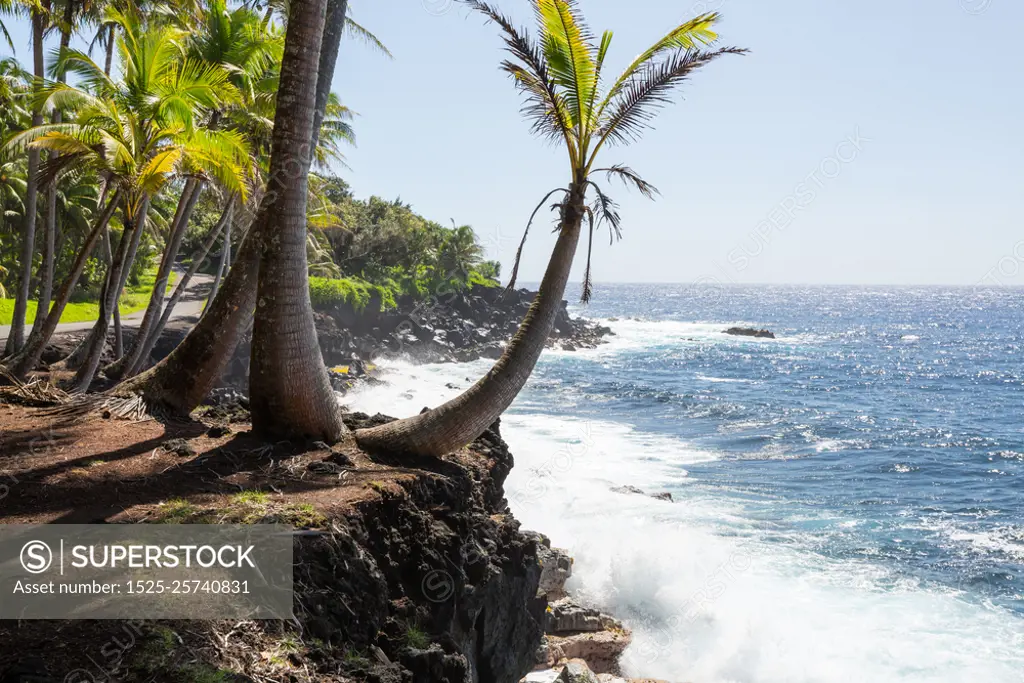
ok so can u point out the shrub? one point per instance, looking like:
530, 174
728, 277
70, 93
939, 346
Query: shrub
328, 293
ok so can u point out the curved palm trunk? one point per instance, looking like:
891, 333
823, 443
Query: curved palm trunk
128, 365
290, 393
181, 381
23, 363
197, 259
16, 339
461, 420
116, 276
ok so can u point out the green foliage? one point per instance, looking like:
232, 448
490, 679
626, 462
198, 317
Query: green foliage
416, 638
383, 250
327, 293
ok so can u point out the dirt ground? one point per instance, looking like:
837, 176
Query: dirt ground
73, 471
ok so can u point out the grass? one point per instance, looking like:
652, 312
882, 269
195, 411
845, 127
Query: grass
134, 299
417, 638
247, 507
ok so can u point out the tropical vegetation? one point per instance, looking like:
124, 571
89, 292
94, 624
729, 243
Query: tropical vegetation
217, 125
153, 153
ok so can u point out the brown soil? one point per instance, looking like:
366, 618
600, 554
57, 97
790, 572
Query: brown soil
57, 470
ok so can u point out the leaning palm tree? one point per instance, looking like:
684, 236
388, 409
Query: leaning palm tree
560, 75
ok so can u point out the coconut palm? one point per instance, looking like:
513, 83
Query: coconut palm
561, 76
237, 42
459, 254
138, 134
39, 19
181, 381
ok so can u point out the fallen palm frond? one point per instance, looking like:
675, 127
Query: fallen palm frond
132, 408
36, 393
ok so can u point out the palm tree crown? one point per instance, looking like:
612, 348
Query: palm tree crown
561, 75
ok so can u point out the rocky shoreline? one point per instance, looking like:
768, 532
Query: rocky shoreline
457, 328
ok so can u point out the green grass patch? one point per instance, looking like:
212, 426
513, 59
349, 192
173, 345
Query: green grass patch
417, 638
247, 507
134, 299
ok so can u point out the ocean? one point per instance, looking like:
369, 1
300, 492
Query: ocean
848, 497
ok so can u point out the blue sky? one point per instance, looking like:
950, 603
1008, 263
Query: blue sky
862, 143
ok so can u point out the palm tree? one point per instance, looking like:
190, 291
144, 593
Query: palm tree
290, 393
560, 75
137, 134
237, 43
459, 254
180, 382
65, 26
39, 16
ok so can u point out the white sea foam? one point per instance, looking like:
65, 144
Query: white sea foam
712, 593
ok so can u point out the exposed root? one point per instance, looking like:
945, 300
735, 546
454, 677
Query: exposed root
38, 393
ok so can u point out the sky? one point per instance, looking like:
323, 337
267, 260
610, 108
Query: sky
857, 143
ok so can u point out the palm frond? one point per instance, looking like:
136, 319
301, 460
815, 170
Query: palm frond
588, 285
544, 106
687, 36
354, 29
631, 111
607, 212
627, 176
519, 252
568, 48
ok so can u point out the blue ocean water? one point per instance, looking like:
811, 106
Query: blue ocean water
849, 497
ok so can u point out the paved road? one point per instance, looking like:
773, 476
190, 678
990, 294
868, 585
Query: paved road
190, 306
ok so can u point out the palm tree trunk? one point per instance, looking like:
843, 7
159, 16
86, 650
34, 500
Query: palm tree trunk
23, 363
290, 393
180, 382
46, 273
225, 258
128, 366
109, 63
116, 276
197, 259
461, 420
16, 339
125, 272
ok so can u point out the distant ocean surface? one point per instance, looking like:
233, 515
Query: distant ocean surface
849, 497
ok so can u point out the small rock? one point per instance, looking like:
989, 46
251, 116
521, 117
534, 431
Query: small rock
750, 332
576, 672
627, 489
601, 650
565, 616
179, 447
556, 568
217, 432
665, 495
